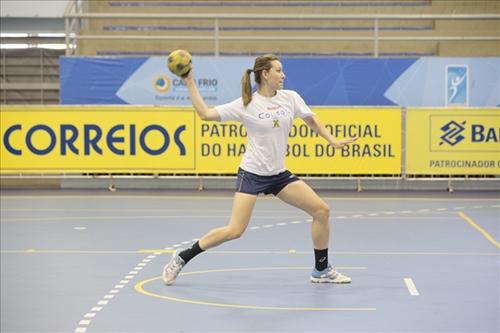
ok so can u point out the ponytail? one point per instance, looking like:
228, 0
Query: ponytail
246, 87
262, 63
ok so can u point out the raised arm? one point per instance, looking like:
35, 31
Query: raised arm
318, 127
199, 104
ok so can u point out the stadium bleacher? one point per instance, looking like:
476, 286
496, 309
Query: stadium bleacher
286, 27
30, 76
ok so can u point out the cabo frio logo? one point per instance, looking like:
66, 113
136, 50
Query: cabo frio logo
161, 83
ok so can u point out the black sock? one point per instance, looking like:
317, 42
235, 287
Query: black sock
190, 253
321, 257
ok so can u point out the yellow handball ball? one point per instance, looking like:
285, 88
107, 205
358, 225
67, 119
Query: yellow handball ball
179, 62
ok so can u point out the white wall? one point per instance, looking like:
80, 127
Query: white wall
22, 8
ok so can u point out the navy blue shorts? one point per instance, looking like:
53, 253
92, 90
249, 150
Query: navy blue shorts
251, 183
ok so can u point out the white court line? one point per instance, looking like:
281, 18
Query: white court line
411, 287
113, 292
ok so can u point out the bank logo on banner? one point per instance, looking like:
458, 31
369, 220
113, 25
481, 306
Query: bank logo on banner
464, 133
452, 133
457, 87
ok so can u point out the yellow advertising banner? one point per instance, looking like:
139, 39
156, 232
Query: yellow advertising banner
377, 151
462, 141
96, 139
131, 139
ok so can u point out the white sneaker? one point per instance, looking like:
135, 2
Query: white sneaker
173, 268
328, 275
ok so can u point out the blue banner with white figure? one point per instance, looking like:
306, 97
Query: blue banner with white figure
448, 82
410, 82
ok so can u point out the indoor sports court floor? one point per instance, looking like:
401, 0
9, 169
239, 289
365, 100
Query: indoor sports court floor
90, 261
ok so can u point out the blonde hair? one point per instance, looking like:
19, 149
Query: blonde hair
261, 63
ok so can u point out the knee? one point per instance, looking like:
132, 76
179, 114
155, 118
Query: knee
322, 212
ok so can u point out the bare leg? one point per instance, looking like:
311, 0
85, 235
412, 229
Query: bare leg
240, 217
302, 196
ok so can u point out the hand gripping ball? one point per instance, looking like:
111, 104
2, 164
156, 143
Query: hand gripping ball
179, 62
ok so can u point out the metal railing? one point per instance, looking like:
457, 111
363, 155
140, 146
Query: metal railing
74, 18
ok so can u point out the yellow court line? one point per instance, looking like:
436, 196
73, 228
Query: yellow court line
205, 210
130, 217
230, 197
162, 251
355, 253
118, 210
109, 218
139, 287
32, 251
167, 210
478, 228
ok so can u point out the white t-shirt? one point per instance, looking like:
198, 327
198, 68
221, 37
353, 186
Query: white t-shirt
268, 121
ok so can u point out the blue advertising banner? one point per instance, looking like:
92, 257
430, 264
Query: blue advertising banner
147, 81
411, 82
339, 81
448, 82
